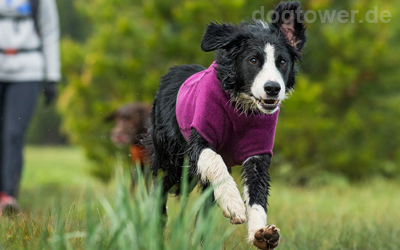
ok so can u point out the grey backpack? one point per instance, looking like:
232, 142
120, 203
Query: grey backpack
34, 9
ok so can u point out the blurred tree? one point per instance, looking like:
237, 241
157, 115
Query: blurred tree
340, 120
131, 46
45, 125
72, 23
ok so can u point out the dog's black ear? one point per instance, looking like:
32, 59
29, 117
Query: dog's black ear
219, 36
288, 17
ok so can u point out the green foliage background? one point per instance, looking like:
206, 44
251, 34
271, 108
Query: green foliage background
341, 120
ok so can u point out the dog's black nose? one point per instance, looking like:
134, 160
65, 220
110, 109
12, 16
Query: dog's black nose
272, 88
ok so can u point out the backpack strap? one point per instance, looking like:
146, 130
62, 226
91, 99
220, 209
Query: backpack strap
35, 10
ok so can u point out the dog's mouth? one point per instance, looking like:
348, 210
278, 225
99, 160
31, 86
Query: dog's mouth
269, 105
120, 140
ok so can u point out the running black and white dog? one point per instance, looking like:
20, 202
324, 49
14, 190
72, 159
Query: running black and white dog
226, 115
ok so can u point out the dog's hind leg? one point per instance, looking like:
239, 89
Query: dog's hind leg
209, 166
256, 181
166, 158
171, 167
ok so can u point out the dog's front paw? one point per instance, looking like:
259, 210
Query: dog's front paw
267, 238
228, 197
236, 214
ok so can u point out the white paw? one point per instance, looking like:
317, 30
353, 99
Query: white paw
228, 197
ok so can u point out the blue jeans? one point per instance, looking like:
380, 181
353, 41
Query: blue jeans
17, 103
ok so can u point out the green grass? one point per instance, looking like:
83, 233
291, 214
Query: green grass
55, 166
54, 174
65, 208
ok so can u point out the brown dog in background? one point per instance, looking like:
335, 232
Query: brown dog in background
131, 123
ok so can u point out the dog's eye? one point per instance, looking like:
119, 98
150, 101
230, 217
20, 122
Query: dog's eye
283, 62
253, 61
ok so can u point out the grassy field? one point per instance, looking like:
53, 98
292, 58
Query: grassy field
63, 207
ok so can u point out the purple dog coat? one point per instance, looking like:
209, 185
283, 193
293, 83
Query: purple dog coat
204, 105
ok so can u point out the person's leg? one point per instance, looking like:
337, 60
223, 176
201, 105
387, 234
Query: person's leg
18, 106
2, 88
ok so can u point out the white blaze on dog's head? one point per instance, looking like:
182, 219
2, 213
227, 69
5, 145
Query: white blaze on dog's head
256, 61
268, 88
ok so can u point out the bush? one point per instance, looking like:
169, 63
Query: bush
340, 119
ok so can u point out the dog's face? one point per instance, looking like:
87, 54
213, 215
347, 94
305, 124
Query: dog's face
130, 121
265, 69
256, 61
